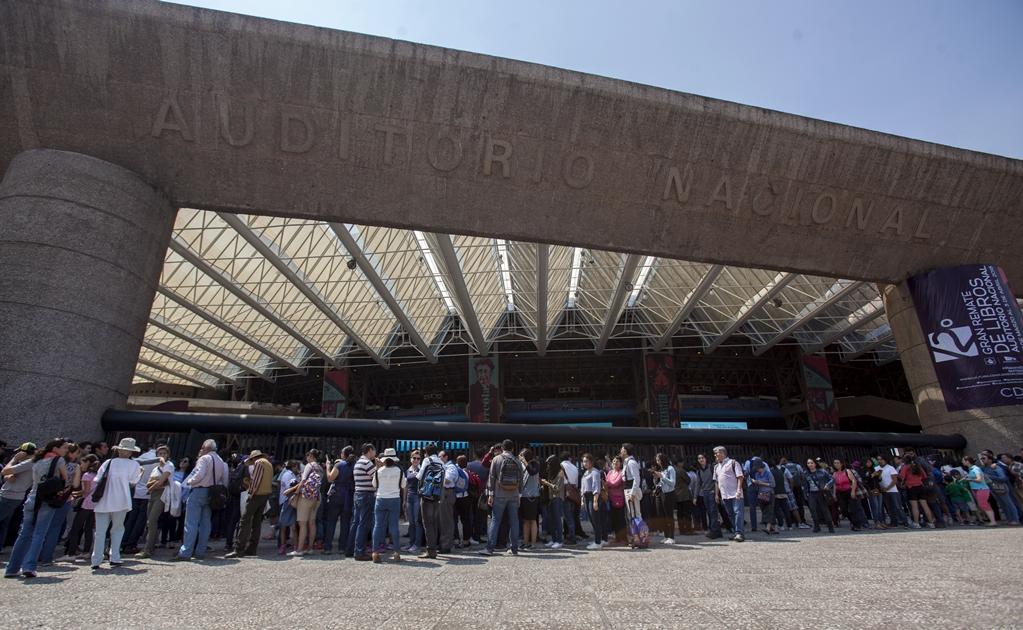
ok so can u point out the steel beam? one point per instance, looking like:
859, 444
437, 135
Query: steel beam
173, 372
381, 285
181, 248
689, 303
190, 362
283, 263
542, 263
751, 306
867, 348
838, 291
179, 332
617, 304
869, 313
456, 280
227, 327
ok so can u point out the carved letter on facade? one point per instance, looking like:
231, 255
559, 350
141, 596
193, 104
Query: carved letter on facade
860, 213
771, 190
434, 155
570, 170
224, 122
921, 231
894, 222
502, 158
723, 192
170, 107
289, 145
389, 132
678, 184
823, 208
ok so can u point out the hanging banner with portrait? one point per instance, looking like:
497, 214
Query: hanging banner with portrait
335, 393
820, 394
974, 333
662, 390
484, 390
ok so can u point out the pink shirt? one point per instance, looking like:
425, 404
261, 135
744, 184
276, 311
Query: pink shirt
842, 482
87, 488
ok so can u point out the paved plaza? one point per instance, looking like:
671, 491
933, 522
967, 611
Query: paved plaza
958, 578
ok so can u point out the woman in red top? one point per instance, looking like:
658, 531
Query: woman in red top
913, 475
846, 484
615, 483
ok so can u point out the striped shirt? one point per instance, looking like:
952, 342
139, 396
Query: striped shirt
364, 469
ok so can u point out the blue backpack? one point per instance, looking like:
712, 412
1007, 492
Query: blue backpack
433, 482
462, 483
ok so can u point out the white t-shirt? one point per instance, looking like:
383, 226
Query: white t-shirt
140, 490
388, 480
287, 478
157, 471
887, 474
571, 472
120, 473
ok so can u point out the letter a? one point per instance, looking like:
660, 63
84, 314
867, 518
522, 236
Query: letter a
170, 107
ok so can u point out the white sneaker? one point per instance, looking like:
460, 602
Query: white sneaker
914, 525
555, 545
550, 544
804, 526
669, 541
296, 553
65, 559
930, 525
413, 549
603, 543
783, 529
593, 546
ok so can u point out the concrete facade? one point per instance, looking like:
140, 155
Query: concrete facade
234, 113
997, 428
82, 243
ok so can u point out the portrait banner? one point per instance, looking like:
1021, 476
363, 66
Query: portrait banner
820, 394
972, 326
335, 393
662, 390
484, 390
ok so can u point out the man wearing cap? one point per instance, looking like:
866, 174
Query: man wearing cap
258, 484
17, 482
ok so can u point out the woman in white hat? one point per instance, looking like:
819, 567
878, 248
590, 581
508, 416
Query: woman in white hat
390, 485
121, 473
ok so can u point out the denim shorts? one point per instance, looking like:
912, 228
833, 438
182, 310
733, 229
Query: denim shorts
288, 516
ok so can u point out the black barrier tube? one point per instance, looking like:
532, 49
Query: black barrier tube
181, 422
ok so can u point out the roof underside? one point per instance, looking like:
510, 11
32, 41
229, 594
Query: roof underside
251, 296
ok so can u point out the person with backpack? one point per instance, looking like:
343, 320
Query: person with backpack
259, 483
113, 496
49, 479
431, 491
207, 487
504, 490
529, 501
390, 484
914, 477
306, 496
447, 503
465, 500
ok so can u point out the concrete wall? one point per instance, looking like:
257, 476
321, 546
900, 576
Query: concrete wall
235, 113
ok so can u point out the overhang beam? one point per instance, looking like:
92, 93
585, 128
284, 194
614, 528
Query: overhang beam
463, 301
179, 332
751, 306
617, 304
690, 302
838, 291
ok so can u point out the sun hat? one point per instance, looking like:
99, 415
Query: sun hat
254, 454
390, 454
128, 444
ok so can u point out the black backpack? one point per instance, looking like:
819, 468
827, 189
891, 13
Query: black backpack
236, 485
51, 487
510, 474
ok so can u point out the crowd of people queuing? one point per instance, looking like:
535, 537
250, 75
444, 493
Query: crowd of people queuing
103, 503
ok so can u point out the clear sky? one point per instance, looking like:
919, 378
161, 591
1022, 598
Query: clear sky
947, 71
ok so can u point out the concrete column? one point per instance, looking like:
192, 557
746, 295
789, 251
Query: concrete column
82, 243
996, 428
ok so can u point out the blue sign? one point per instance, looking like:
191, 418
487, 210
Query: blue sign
713, 425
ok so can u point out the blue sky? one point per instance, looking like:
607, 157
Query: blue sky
938, 70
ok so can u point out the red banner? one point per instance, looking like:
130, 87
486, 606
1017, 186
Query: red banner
820, 395
662, 390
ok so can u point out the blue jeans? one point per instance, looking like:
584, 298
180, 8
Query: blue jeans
53, 534
734, 508
751, 503
1007, 507
336, 512
874, 501
362, 522
198, 522
415, 526
34, 526
893, 505
556, 515
8, 507
596, 521
385, 521
710, 508
505, 507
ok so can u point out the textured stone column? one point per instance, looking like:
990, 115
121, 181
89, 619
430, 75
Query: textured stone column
82, 243
997, 428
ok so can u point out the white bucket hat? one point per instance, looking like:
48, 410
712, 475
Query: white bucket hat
128, 444
391, 455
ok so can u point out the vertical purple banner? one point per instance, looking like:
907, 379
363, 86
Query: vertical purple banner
972, 325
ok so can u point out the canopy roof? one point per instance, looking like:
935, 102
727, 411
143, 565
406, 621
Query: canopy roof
249, 296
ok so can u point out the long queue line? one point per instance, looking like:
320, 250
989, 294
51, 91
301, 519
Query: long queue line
105, 503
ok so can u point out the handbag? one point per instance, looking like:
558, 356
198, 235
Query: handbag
101, 484
217, 492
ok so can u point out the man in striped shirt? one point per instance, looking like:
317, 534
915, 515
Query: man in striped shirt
365, 497
259, 484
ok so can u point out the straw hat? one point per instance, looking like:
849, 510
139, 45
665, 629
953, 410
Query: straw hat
390, 454
254, 455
